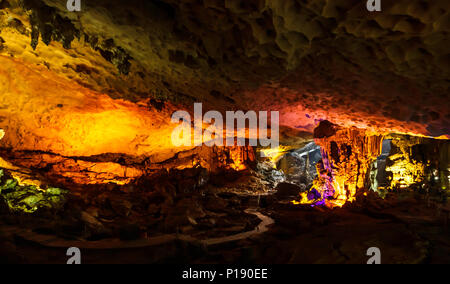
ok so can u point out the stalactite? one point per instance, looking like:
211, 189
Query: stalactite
347, 156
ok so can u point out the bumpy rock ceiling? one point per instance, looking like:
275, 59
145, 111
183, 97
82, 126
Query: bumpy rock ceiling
310, 60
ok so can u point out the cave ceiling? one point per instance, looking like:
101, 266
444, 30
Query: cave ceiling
309, 59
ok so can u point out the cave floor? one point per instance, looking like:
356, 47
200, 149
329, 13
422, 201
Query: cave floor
405, 227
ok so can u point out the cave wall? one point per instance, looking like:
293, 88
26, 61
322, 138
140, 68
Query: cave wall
419, 162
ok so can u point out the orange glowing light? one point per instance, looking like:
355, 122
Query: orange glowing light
48, 113
238, 159
22, 176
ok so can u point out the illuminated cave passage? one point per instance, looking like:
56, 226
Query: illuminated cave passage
354, 161
87, 157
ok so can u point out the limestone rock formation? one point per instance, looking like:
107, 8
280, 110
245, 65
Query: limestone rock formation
347, 157
419, 162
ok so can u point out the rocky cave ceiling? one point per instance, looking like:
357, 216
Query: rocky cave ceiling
309, 59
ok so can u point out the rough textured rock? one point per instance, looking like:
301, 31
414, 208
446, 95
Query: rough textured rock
299, 167
192, 168
419, 162
319, 59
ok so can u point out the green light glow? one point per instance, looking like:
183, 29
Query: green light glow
29, 199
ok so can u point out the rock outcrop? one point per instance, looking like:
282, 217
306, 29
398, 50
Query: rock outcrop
418, 162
